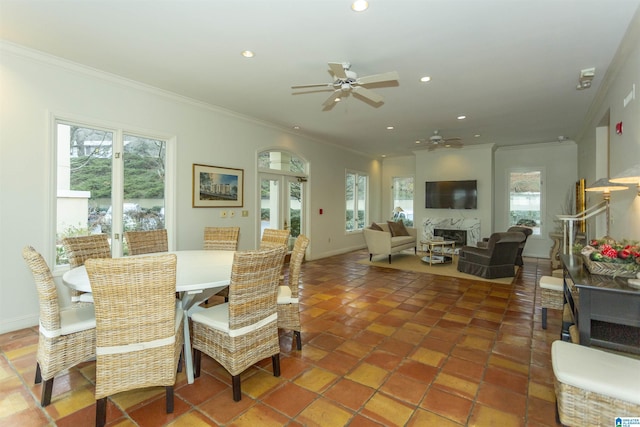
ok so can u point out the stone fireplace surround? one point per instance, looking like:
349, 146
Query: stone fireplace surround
470, 225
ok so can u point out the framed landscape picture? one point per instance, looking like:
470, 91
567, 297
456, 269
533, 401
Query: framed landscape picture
217, 187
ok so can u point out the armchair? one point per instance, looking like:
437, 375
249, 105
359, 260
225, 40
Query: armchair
527, 232
496, 260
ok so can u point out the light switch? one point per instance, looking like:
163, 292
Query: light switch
245, 213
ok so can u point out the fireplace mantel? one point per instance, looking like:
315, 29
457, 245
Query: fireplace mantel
470, 225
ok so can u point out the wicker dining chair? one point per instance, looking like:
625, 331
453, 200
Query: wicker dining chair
139, 328
272, 237
81, 248
67, 337
288, 306
146, 242
243, 331
221, 238
224, 239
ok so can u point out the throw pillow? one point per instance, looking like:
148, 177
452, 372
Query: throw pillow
397, 229
376, 227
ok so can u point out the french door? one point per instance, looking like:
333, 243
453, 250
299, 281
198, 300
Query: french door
282, 204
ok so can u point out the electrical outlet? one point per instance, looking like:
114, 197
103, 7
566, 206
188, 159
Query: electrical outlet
223, 214
245, 213
232, 214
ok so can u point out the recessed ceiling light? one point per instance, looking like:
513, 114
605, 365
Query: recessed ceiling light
418, 142
425, 79
296, 127
248, 54
359, 5
384, 155
477, 135
462, 117
337, 99
390, 127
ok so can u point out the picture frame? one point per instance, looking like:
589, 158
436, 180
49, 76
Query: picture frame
217, 187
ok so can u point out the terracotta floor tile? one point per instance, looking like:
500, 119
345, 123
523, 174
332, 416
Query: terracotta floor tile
464, 368
404, 388
191, 419
384, 360
449, 406
259, 415
368, 375
349, 393
203, 388
316, 379
360, 421
506, 379
155, 413
324, 413
223, 409
502, 399
290, 399
483, 416
425, 418
418, 371
338, 362
428, 357
456, 385
387, 410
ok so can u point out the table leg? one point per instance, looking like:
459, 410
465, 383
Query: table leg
188, 355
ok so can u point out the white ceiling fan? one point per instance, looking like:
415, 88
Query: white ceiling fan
438, 141
347, 81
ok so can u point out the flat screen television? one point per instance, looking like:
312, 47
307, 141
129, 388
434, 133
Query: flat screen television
451, 194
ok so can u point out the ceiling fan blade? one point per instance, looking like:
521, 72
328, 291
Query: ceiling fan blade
453, 139
369, 94
377, 78
331, 101
312, 85
338, 70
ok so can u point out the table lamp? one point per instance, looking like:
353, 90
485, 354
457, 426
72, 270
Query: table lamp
605, 186
629, 176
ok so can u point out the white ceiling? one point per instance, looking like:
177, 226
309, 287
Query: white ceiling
510, 66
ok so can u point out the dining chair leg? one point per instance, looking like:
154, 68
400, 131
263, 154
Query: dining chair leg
169, 398
235, 384
47, 389
298, 339
275, 361
180, 359
101, 412
197, 357
544, 317
38, 379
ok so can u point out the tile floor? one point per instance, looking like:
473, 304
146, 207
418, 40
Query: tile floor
381, 347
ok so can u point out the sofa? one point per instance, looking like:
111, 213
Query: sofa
384, 242
496, 260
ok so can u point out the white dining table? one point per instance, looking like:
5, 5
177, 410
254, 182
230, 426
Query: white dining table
199, 275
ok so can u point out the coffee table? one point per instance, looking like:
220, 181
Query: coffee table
437, 252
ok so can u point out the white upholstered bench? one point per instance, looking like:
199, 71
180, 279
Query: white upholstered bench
551, 295
593, 387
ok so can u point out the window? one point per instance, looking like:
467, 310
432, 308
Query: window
107, 182
525, 199
356, 201
402, 196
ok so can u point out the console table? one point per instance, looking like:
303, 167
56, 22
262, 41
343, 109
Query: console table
605, 309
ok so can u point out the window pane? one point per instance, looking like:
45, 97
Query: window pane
362, 201
402, 188
350, 201
281, 161
83, 183
525, 199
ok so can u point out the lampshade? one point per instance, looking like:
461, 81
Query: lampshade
603, 185
629, 176
398, 209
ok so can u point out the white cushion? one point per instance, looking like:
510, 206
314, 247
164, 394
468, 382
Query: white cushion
217, 317
86, 297
597, 371
284, 296
73, 320
553, 283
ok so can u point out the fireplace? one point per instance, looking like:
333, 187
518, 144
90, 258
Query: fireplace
470, 225
458, 236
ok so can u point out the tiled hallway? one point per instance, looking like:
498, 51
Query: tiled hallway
381, 347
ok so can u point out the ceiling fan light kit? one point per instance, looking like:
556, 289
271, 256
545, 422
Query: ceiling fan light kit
347, 81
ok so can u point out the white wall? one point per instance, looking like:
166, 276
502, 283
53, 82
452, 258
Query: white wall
471, 162
558, 161
623, 150
34, 87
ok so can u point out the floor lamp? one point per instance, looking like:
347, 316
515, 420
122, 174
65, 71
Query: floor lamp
605, 186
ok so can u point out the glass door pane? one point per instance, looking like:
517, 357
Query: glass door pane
295, 209
84, 170
525, 195
144, 184
269, 203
